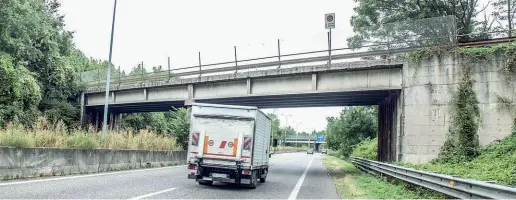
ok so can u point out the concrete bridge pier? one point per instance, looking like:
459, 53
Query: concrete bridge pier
94, 117
387, 128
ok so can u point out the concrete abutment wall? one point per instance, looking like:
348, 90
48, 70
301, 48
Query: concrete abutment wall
427, 95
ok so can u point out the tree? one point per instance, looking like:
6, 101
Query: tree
350, 128
503, 14
19, 92
32, 34
180, 125
389, 20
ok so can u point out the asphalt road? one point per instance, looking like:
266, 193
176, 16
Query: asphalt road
291, 176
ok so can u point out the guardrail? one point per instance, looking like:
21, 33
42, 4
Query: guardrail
168, 75
446, 184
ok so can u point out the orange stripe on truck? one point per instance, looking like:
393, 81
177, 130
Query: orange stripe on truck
235, 144
206, 140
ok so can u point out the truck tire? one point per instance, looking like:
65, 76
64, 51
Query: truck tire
254, 180
262, 180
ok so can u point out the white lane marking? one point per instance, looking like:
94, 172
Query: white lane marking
85, 176
293, 195
152, 194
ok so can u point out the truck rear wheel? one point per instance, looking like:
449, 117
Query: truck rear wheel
254, 180
262, 180
263, 176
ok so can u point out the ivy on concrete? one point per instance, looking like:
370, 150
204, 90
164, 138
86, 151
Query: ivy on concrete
472, 54
426, 53
462, 142
508, 105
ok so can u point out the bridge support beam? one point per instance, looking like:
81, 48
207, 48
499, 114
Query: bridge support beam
387, 120
314, 82
97, 114
249, 86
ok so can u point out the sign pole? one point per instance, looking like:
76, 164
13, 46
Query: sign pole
329, 45
329, 23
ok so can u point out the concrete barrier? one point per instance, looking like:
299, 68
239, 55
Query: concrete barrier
37, 162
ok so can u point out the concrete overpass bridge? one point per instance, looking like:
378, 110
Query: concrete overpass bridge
338, 84
414, 98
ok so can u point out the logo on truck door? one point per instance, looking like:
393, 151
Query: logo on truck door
223, 144
210, 149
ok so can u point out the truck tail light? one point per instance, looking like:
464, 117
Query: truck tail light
247, 143
192, 166
195, 138
246, 172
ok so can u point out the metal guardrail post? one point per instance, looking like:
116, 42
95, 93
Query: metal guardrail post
119, 76
143, 74
200, 69
169, 73
279, 54
236, 60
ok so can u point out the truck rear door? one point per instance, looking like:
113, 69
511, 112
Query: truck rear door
222, 137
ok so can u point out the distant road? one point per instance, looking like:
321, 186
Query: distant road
289, 177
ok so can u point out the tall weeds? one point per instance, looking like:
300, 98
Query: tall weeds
57, 135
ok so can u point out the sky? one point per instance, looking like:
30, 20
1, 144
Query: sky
150, 31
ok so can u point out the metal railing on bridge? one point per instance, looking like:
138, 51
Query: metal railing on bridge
388, 39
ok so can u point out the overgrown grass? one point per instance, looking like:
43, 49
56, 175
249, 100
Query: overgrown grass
496, 162
353, 183
58, 136
367, 149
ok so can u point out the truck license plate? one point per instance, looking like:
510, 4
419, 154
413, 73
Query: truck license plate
215, 175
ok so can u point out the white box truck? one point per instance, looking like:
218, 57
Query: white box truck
228, 144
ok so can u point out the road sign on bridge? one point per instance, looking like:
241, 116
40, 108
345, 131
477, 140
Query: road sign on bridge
329, 20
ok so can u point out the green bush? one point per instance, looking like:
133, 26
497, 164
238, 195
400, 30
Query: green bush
367, 149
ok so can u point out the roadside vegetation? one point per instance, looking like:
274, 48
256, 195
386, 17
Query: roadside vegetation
352, 183
352, 126
496, 163
366, 149
57, 135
